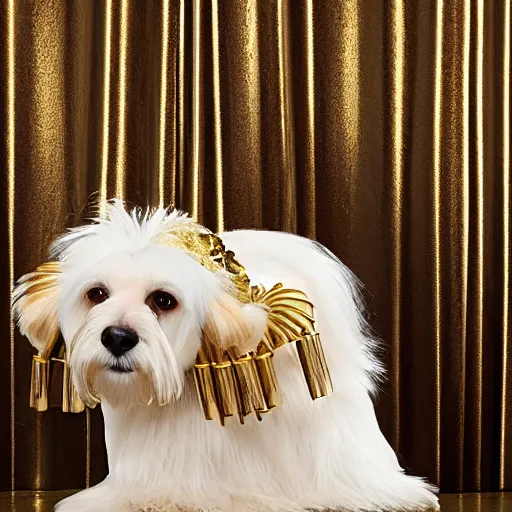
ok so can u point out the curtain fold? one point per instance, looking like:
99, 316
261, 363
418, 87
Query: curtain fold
381, 129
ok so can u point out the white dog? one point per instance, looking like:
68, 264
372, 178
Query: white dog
134, 310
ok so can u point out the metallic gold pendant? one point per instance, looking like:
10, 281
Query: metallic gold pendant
43, 372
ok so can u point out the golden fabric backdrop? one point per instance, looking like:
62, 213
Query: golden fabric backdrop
380, 128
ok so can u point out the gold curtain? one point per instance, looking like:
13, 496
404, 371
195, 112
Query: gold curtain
380, 128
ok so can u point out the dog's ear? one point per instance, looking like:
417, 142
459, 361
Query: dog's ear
233, 327
35, 306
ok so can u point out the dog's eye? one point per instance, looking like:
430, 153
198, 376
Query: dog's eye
97, 295
162, 301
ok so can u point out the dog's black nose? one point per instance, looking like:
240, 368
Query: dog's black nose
119, 340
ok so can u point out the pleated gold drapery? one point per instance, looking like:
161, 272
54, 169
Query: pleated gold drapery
381, 129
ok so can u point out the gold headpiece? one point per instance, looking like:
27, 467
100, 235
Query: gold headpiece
226, 385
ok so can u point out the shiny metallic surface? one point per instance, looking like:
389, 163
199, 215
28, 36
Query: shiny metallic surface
228, 397
381, 129
268, 380
206, 390
25, 501
506, 323
251, 392
10, 163
313, 365
39, 385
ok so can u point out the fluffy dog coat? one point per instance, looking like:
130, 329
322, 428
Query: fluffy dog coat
162, 454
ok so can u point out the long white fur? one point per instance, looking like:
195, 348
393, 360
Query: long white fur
324, 454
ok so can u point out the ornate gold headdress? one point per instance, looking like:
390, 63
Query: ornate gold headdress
226, 385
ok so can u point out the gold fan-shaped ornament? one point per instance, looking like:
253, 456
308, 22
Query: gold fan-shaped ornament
248, 384
48, 372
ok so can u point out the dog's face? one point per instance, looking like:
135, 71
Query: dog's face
133, 322
133, 313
